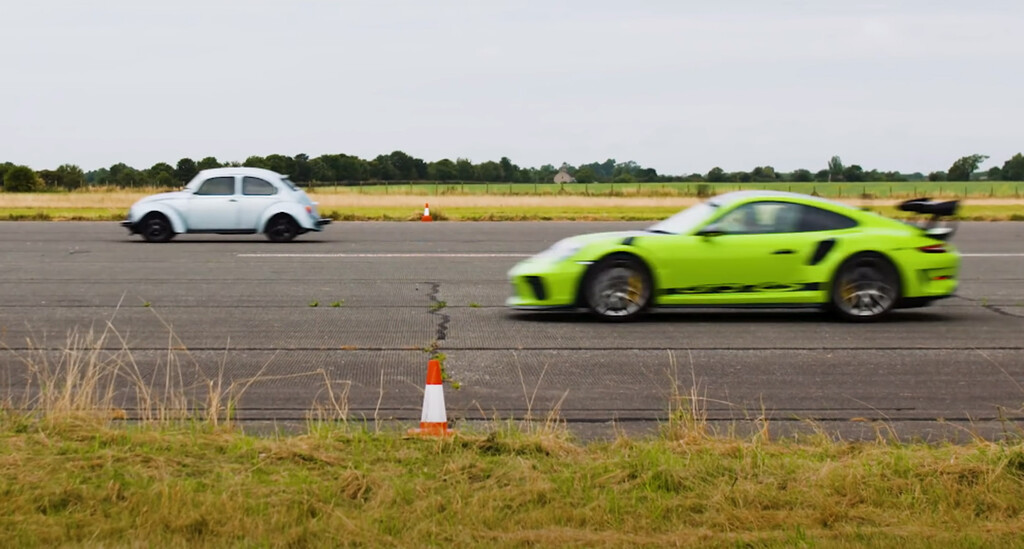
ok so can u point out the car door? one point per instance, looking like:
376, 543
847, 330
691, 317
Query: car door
214, 206
257, 195
754, 253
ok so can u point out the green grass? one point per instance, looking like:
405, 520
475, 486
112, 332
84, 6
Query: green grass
62, 214
79, 483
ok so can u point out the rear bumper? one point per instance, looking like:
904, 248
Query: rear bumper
323, 221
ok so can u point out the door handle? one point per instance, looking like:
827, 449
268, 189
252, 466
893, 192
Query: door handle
783, 252
232, 200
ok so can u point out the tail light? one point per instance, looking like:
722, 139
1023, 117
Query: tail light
309, 209
933, 249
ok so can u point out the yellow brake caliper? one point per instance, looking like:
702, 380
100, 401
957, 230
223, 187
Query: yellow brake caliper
636, 286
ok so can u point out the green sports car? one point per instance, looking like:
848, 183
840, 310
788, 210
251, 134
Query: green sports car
750, 248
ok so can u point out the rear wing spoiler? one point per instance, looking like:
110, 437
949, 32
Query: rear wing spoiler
937, 210
928, 207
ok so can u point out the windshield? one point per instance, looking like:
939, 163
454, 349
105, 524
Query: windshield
686, 220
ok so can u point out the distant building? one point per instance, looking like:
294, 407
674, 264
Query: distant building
563, 176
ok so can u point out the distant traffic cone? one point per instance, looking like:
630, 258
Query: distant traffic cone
433, 420
426, 213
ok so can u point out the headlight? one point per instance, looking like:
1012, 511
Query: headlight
562, 250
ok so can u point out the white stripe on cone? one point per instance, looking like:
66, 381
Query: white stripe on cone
433, 406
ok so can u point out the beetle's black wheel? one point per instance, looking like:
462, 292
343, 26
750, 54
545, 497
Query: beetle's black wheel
282, 229
156, 228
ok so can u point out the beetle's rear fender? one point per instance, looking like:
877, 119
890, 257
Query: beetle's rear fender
298, 212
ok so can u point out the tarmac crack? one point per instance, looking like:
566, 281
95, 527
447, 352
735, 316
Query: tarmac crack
437, 308
989, 307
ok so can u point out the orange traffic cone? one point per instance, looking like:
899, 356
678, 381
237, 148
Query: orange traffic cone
433, 420
426, 213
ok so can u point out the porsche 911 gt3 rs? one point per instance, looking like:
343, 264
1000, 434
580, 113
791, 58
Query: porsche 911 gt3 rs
750, 248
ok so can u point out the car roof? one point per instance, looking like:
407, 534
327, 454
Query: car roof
241, 170
744, 196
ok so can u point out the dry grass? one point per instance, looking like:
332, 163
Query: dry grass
71, 474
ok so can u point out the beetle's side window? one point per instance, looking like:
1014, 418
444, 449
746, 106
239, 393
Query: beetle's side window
816, 219
217, 186
254, 186
761, 218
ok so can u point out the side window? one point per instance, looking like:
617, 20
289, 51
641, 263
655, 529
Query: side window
761, 218
254, 186
217, 186
816, 219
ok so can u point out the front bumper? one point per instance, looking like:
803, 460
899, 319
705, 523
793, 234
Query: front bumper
130, 225
545, 285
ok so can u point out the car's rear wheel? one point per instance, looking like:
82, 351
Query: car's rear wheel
618, 288
156, 228
866, 288
282, 229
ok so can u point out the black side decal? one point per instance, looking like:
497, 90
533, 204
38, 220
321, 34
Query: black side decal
743, 288
824, 247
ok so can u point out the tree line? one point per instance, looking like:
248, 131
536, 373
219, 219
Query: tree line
399, 166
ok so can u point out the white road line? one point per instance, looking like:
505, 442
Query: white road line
385, 255
991, 255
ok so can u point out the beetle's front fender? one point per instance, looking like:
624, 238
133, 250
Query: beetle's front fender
175, 217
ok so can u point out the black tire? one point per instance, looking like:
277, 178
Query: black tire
156, 228
618, 288
865, 288
282, 228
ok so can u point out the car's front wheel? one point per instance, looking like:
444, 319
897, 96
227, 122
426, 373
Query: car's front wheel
156, 228
865, 288
282, 229
618, 288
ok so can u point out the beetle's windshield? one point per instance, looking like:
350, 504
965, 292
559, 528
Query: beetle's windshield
684, 221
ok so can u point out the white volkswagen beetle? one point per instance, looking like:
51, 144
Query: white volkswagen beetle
228, 201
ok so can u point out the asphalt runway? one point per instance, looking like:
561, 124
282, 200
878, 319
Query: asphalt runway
238, 308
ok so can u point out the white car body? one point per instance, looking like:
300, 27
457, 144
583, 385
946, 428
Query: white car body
227, 201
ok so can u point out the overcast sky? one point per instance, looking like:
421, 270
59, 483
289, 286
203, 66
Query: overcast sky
675, 85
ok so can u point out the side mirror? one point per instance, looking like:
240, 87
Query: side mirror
713, 229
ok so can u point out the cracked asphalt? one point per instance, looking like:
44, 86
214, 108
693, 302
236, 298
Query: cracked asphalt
242, 308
